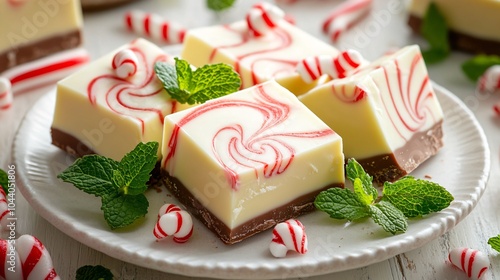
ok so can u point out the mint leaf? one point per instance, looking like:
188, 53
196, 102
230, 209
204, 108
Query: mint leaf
205, 83
97, 272
136, 166
354, 171
435, 30
122, 210
219, 5
475, 67
416, 197
341, 204
389, 217
494, 242
4, 181
92, 174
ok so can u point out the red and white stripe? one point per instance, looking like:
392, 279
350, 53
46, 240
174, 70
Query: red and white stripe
167, 208
4, 210
6, 94
155, 27
263, 17
311, 68
473, 262
125, 63
30, 258
45, 71
174, 222
345, 16
288, 236
490, 80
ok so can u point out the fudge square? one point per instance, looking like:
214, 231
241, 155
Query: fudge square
33, 29
246, 161
256, 58
99, 110
386, 113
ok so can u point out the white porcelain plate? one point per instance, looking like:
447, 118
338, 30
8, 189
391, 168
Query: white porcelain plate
462, 166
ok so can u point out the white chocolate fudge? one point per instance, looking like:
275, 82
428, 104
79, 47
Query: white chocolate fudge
33, 29
246, 161
257, 58
473, 23
98, 110
386, 113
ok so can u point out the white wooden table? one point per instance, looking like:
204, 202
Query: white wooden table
105, 31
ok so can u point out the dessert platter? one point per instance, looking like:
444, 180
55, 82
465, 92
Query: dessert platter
252, 126
462, 165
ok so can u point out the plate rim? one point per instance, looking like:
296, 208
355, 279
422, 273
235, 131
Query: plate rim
371, 256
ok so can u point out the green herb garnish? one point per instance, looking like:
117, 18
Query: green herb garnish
205, 83
219, 5
97, 272
435, 30
405, 198
476, 66
4, 181
495, 242
120, 185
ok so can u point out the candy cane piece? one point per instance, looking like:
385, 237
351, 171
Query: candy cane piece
473, 262
263, 17
46, 70
174, 222
125, 63
312, 68
490, 80
167, 208
9, 258
155, 27
6, 94
496, 108
288, 235
4, 210
344, 16
35, 259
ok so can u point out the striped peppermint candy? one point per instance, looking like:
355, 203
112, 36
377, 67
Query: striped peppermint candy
155, 27
490, 80
173, 221
263, 17
4, 210
9, 258
6, 94
312, 68
35, 260
346, 15
473, 262
288, 235
125, 63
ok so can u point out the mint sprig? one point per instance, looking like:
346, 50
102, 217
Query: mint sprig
416, 197
475, 67
494, 242
4, 181
435, 30
89, 272
405, 198
120, 185
219, 5
205, 83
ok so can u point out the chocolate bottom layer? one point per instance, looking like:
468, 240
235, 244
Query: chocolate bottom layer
299, 206
38, 49
75, 147
390, 167
461, 41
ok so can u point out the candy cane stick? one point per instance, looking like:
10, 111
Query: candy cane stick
174, 222
35, 259
289, 235
314, 67
154, 26
345, 16
473, 262
46, 70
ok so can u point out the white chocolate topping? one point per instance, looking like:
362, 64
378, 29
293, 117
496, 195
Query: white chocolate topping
247, 153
